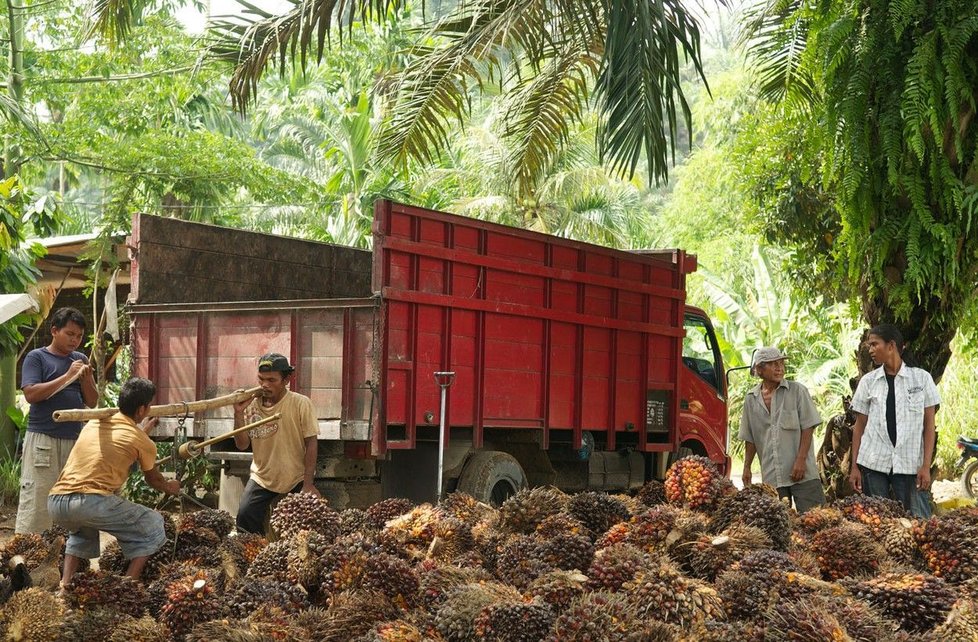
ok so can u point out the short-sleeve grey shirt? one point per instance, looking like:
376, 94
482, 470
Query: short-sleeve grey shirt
776, 434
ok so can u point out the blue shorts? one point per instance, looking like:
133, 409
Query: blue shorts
138, 529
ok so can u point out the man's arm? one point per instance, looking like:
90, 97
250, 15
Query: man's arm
923, 473
749, 451
156, 479
309, 464
39, 391
88, 389
241, 439
801, 459
855, 476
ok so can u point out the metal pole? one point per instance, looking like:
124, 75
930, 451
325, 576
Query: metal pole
444, 380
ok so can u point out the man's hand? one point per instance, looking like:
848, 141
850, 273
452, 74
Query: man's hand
171, 487
79, 369
923, 478
239, 407
746, 477
311, 489
148, 424
856, 479
798, 470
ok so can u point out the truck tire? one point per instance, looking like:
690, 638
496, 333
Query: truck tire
492, 477
969, 479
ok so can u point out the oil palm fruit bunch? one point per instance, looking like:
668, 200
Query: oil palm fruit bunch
99, 589
242, 548
219, 521
272, 561
304, 559
355, 520
648, 531
558, 588
896, 537
394, 578
961, 623
246, 597
31, 546
156, 590
33, 615
514, 621
411, 533
524, 511
695, 482
754, 506
816, 519
871, 511
353, 613
806, 620
394, 631
600, 615
721, 631
660, 591
597, 511
452, 540
344, 564
919, 602
464, 507
614, 566
144, 629
847, 550
91, 625
189, 602
709, 555
455, 617
385, 510
305, 512
199, 544
652, 493
521, 560
948, 545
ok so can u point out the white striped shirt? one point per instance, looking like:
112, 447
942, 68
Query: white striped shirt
914, 390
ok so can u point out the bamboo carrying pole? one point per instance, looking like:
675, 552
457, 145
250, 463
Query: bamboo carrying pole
192, 449
170, 409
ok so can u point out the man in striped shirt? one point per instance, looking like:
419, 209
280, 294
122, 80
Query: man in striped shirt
893, 438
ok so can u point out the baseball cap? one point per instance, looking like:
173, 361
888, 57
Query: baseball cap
274, 362
766, 355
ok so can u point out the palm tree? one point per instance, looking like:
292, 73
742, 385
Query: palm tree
551, 58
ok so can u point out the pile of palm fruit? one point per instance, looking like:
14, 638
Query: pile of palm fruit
689, 559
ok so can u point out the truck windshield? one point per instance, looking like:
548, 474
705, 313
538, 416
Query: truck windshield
699, 350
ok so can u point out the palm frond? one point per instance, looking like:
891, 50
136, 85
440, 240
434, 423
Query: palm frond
113, 19
257, 38
638, 89
775, 33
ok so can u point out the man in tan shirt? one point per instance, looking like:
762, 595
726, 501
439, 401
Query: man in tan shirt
284, 451
84, 498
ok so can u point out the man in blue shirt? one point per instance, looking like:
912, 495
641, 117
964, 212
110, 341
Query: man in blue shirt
56, 377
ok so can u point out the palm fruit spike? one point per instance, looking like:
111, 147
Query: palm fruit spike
31, 546
32, 615
862, 622
596, 616
615, 565
455, 617
197, 544
145, 629
91, 625
648, 531
514, 621
597, 511
452, 539
412, 533
522, 512
816, 519
190, 601
383, 511
310, 624
99, 589
948, 546
652, 493
558, 588
695, 482
566, 551
304, 561
225, 630
352, 614
847, 550
805, 620
156, 590
219, 521
305, 512
250, 595
717, 631
919, 602
242, 548
660, 591
355, 520
896, 536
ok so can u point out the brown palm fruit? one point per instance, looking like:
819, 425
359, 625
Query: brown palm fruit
32, 615
816, 519
112, 559
144, 629
355, 520
719, 631
272, 562
633, 504
199, 545
566, 551
522, 512
948, 546
410, 534
661, 592
604, 616
753, 506
896, 536
98, 589
226, 630
690, 525
653, 631
452, 540
91, 625
521, 560
871, 511
304, 512
648, 531
745, 596
156, 590
242, 548
919, 602
344, 564
392, 577
805, 620
614, 566
304, 561
246, 597
270, 620
464, 507
805, 559
562, 524
558, 588
847, 550
383, 511
352, 613
862, 622
695, 482
437, 579
709, 555
597, 511
455, 617
219, 521
189, 602
488, 544
961, 623
514, 621
652, 493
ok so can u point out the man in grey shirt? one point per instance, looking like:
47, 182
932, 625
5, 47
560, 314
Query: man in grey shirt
777, 424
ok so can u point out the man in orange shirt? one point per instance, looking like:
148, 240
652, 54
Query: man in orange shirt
84, 498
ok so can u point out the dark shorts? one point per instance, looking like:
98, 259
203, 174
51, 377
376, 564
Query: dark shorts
254, 505
138, 529
807, 494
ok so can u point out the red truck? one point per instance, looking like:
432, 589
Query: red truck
574, 365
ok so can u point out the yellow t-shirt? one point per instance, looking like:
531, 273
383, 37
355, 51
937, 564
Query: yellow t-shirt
99, 461
279, 447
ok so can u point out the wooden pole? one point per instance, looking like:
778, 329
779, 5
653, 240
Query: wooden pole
192, 449
167, 410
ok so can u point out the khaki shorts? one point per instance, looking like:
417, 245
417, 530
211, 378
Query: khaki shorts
44, 457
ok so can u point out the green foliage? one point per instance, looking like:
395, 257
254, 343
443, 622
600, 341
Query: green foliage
9, 481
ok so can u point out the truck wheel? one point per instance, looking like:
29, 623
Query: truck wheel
969, 479
492, 477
